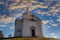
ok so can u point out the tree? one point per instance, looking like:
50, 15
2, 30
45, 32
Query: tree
1, 35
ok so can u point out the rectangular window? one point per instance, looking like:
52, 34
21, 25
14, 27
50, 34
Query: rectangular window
32, 20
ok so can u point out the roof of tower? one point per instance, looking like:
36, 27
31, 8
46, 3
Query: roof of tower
27, 11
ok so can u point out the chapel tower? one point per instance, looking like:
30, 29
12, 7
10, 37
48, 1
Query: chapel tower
29, 26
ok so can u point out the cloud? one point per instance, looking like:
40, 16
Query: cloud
11, 27
13, 2
0, 29
45, 21
58, 4
4, 20
2, 3
17, 13
49, 26
54, 10
46, 27
51, 0
5, 4
58, 19
16, 7
50, 22
41, 6
8, 19
54, 25
59, 16
53, 35
3, 25
30, 4
53, 7
42, 13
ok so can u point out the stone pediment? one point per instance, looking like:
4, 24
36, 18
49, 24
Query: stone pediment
28, 15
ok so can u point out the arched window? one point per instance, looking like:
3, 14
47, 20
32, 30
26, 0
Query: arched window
32, 19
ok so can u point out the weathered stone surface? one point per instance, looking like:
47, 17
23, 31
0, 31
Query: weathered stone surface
24, 26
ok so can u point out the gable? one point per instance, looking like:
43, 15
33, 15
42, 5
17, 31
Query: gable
29, 15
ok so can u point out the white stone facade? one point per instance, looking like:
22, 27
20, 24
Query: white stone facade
29, 26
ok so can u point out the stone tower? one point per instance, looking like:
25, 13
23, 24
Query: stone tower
30, 25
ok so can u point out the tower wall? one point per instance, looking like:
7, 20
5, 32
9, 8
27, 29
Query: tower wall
18, 28
24, 26
27, 25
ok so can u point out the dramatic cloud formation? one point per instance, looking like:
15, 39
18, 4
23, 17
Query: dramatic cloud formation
47, 10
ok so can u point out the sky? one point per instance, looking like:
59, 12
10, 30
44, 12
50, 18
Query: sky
46, 10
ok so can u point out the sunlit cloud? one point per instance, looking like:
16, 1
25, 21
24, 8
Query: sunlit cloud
51, 22
9, 19
4, 20
16, 7
48, 21
54, 25
26, 4
45, 21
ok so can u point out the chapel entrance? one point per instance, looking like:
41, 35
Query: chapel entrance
33, 31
